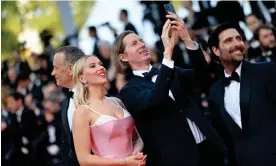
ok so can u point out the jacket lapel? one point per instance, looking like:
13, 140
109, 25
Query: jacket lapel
65, 122
245, 86
230, 124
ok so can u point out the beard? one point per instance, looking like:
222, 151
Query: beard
234, 58
237, 54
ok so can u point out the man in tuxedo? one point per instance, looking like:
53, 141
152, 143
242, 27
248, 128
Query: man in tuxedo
19, 65
174, 130
25, 130
266, 52
243, 102
25, 86
124, 18
63, 62
92, 31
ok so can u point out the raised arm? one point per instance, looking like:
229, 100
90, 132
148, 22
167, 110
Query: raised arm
143, 98
82, 141
200, 75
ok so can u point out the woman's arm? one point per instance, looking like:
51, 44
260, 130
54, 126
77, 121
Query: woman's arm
82, 137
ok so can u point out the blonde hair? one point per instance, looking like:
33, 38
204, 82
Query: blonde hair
81, 91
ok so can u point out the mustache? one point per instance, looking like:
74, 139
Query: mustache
237, 48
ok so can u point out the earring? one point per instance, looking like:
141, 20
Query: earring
85, 84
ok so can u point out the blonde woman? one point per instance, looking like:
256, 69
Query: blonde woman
100, 123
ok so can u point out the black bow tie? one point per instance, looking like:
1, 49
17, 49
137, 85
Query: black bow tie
234, 77
70, 94
149, 75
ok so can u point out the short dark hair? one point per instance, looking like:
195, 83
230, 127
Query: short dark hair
257, 32
213, 40
71, 53
17, 96
124, 11
22, 76
92, 28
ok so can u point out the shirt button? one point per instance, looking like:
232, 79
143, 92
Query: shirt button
181, 111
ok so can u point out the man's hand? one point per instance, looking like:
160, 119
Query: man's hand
168, 42
179, 25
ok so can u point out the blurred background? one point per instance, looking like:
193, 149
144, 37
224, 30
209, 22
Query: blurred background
32, 30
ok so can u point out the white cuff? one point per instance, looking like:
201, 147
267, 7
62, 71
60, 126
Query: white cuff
195, 47
168, 63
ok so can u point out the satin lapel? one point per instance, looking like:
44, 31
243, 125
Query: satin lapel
227, 119
245, 93
64, 117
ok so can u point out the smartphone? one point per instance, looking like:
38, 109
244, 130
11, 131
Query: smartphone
169, 8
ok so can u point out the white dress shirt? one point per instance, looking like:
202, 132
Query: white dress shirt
71, 110
232, 98
199, 137
19, 114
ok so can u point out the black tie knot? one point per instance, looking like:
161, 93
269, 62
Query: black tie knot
149, 75
70, 94
234, 76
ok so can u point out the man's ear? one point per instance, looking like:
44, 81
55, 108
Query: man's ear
123, 57
70, 68
216, 51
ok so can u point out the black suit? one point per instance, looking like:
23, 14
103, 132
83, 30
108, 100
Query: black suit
255, 143
259, 55
161, 121
130, 26
26, 129
68, 153
22, 67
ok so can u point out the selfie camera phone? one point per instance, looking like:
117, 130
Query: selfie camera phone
169, 8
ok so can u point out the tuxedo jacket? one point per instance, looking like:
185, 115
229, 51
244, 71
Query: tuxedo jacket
68, 153
256, 54
161, 121
255, 143
28, 126
24, 134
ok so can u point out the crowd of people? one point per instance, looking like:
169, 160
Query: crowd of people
204, 94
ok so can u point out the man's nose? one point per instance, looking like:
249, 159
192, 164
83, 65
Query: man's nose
142, 45
239, 43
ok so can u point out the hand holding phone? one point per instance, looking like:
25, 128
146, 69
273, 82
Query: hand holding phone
178, 25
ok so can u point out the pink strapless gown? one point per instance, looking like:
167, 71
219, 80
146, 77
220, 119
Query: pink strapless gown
112, 137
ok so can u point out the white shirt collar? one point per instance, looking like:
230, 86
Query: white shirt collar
19, 112
140, 72
73, 89
238, 70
